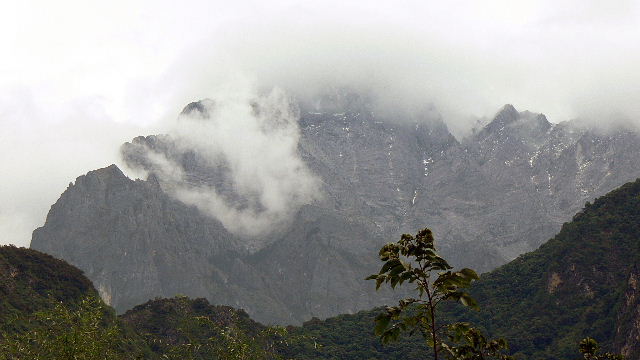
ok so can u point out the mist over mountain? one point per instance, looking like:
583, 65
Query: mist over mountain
367, 177
132, 67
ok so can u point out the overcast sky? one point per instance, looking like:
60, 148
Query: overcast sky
78, 78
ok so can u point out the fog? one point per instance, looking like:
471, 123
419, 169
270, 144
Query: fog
79, 78
254, 138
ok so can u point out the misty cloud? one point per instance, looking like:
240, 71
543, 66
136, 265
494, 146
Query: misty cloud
254, 139
84, 77
567, 59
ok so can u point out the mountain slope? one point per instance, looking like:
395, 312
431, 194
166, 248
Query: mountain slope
130, 238
137, 243
33, 282
510, 186
29, 279
583, 282
574, 285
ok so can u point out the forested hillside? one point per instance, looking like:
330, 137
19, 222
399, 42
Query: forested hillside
583, 282
29, 279
50, 310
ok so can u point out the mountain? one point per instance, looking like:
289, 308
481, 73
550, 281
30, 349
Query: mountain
112, 227
582, 282
510, 186
132, 239
489, 197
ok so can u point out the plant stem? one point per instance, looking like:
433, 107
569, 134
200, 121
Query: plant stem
425, 284
433, 325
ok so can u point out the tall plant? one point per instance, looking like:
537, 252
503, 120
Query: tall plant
414, 259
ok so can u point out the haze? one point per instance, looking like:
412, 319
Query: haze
79, 78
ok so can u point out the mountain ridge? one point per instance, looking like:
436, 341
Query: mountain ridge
488, 198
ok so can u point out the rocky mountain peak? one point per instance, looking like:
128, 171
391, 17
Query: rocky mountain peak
198, 108
499, 193
506, 115
509, 117
508, 111
101, 178
107, 172
511, 132
535, 120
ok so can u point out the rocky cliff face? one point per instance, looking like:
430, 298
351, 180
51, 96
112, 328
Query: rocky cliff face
135, 243
131, 239
511, 185
498, 193
627, 335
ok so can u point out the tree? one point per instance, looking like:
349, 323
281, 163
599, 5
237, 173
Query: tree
84, 332
414, 259
203, 338
235, 344
591, 351
228, 343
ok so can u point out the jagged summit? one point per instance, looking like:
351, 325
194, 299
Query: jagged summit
108, 172
509, 118
198, 108
506, 115
100, 179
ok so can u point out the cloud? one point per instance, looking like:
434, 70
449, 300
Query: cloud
567, 59
42, 150
249, 139
85, 76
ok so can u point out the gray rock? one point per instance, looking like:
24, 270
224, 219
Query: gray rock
489, 197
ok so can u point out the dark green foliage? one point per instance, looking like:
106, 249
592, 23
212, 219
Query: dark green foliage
51, 311
181, 328
48, 308
84, 332
468, 343
546, 301
170, 322
177, 328
591, 351
352, 337
29, 280
543, 302
414, 259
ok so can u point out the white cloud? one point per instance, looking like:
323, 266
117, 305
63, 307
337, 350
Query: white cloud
78, 77
255, 139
